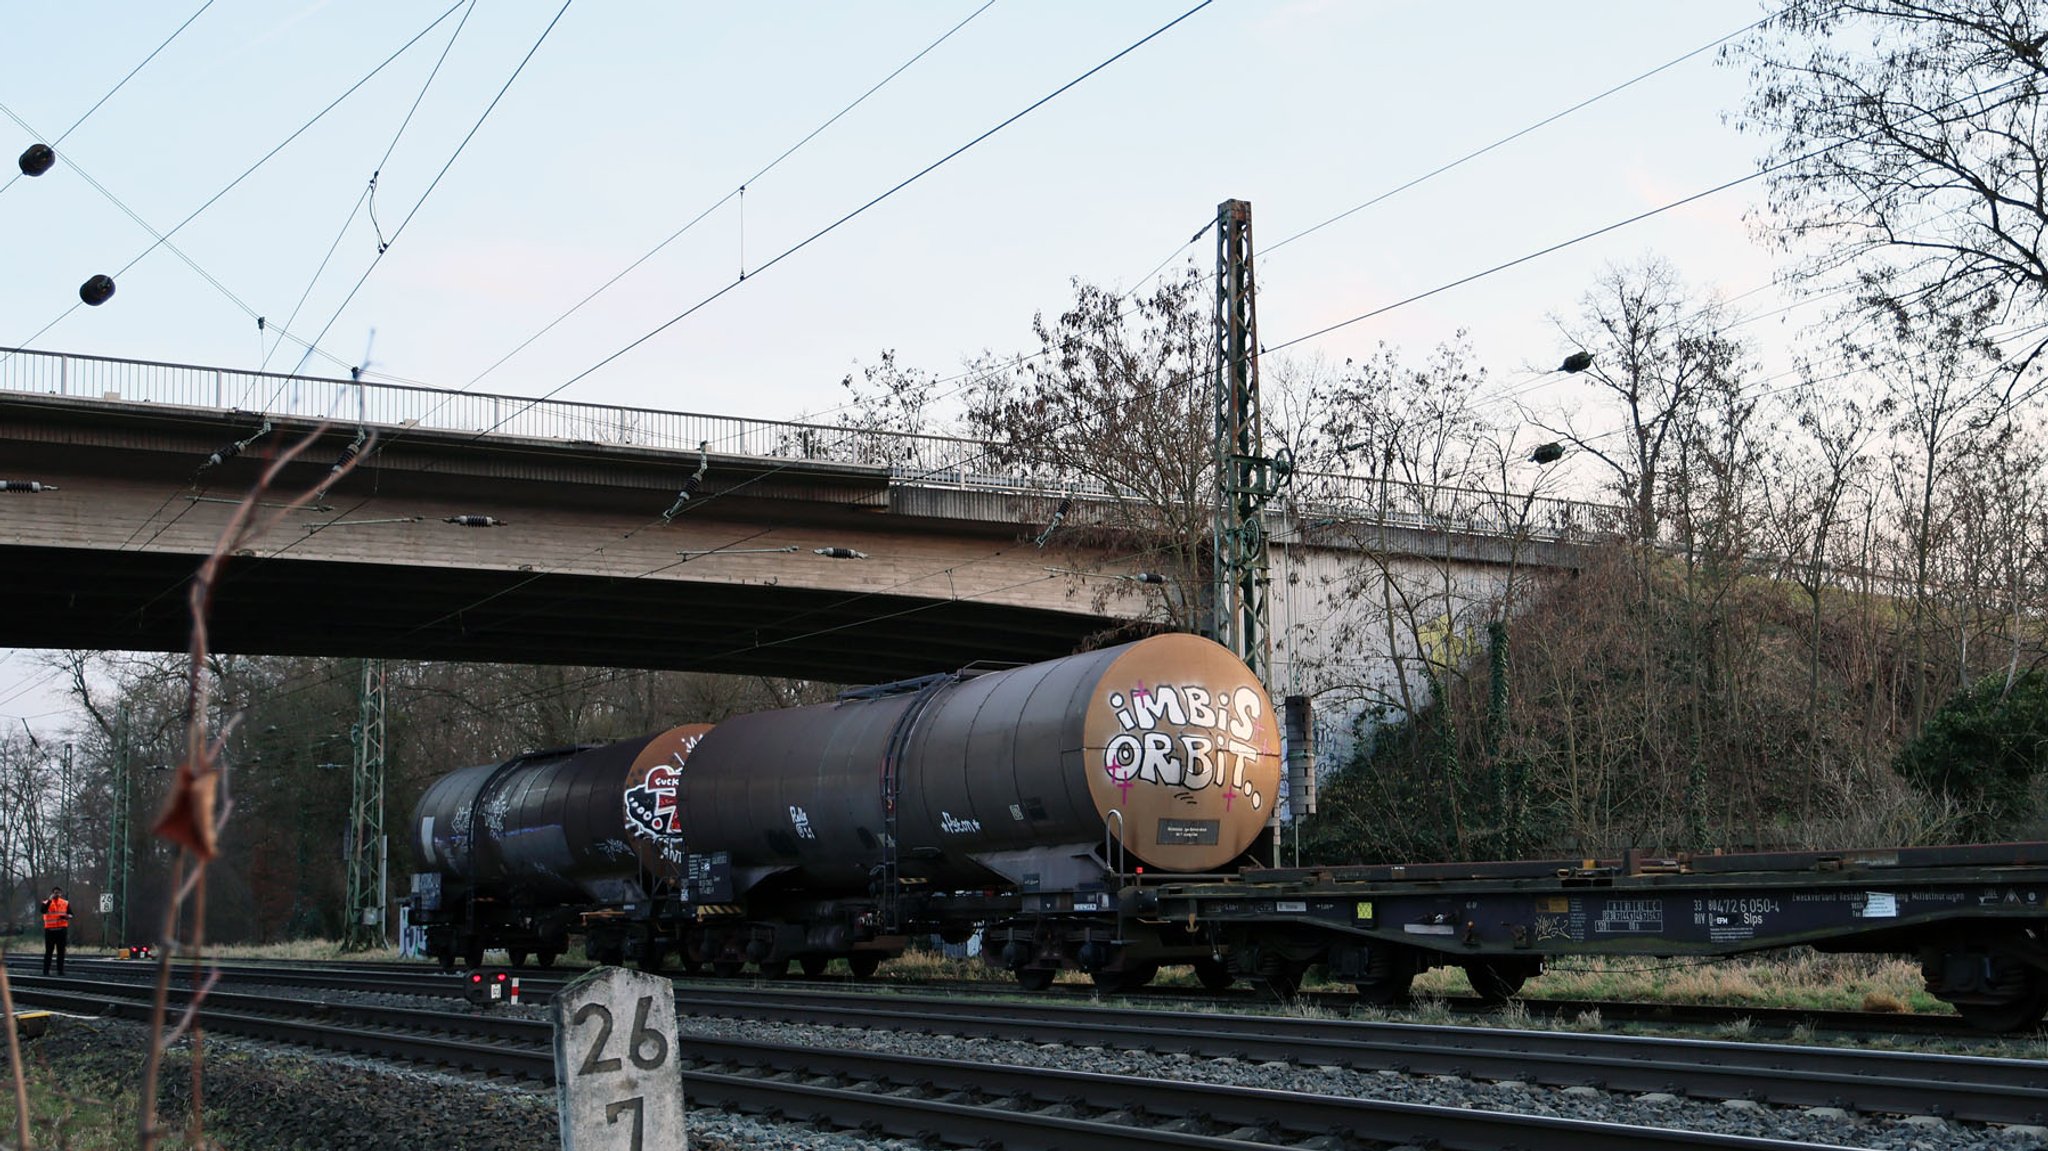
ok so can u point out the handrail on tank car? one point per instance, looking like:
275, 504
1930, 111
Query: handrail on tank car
1113, 858
1113, 846
893, 687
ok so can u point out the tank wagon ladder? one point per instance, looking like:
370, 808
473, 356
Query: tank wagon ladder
889, 874
1113, 860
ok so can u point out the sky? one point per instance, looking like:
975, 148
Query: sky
632, 118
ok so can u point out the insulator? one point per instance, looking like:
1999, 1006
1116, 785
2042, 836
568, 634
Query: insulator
97, 290
690, 486
1576, 362
840, 553
1548, 453
224, 455
26, 486
1149, 577
474, 521
347, 457
37, 159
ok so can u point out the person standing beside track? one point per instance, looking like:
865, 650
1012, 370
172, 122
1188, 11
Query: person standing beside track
56, 928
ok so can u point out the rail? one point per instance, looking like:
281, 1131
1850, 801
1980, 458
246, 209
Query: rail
913, 459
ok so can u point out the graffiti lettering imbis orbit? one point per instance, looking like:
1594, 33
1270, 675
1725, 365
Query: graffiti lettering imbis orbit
1217, 757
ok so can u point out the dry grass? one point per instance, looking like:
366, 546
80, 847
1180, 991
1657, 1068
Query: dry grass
69, 1110
1797, 979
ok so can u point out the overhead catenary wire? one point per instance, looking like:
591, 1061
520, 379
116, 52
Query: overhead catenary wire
385, 245
1266, 251
739, 191
1516, 135
1601, 231
364, 197
122, 83
164, 237
862, 209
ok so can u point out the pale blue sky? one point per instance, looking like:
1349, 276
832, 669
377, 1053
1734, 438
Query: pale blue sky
634, 116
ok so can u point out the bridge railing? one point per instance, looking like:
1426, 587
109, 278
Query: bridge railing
1337, 498
410, 405
917, 459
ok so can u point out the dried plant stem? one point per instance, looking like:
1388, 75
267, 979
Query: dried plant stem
195, 813
146, 1128
196, 1134
14, 1055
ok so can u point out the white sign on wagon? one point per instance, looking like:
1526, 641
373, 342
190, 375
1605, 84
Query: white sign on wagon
617, 1078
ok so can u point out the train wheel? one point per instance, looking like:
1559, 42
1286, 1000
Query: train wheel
813, 965
864, 964
1035, 978
1386, 990
547, 958
1128, 979
515, 958
774, 969
2023, 1012
474, 952
727, 968
1281, 975
1213, 974
1497, 981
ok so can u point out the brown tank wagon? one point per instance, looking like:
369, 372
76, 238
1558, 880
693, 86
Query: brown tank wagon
839, 830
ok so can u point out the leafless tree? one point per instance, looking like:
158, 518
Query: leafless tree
1906, 150
1115, 409
1657, 350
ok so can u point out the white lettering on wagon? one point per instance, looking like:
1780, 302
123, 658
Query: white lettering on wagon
1210, 747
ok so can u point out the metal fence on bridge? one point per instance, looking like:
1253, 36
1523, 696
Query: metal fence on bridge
918, 460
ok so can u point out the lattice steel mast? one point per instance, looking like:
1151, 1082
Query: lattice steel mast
366, 879
1246, 478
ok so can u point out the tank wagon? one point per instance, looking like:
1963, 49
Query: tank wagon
1011, 801
1107, 813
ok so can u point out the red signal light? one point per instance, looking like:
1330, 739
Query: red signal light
502, 977
475, 977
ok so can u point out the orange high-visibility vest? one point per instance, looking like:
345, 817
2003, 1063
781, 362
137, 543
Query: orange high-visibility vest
57, 914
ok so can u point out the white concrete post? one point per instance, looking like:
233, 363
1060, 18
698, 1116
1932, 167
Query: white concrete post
616, 1073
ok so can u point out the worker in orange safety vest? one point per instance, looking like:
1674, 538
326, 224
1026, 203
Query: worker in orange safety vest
56, 928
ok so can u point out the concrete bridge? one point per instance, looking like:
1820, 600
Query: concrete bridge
490, 527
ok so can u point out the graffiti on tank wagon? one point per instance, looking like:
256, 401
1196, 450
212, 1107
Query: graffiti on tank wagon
1209, 743
654, 805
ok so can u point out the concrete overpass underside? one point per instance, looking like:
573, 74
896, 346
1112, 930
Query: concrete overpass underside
582, 571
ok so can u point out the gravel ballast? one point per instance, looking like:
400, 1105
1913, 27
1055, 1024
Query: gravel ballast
261, 1096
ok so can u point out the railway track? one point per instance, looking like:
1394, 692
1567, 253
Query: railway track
960, 1102
1970, 1088
1766, 1020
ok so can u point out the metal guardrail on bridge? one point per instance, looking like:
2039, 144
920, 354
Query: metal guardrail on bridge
913, 459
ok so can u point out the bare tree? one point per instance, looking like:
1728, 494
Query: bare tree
1940, 394
1115, 409
1656, 350
1907, 149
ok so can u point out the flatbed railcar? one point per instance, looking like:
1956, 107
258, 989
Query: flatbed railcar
1973, 916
